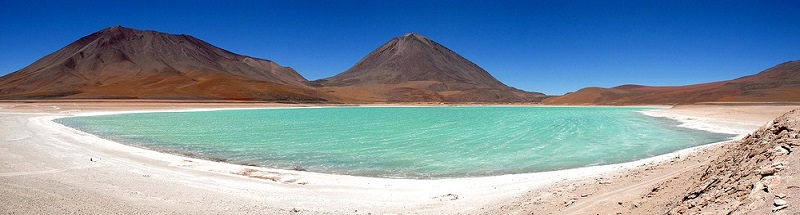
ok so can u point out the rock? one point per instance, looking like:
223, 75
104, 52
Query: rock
783, 134
771, 182
778, 165
780, 202
683, 210
780, 151
447, 197
758, 187
776, 209
749, 175
766, 171
570, 202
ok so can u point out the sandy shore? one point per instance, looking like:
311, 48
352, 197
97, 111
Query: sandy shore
651, 188
47, 168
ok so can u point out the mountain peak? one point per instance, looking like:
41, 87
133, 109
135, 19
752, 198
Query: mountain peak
118, 29
119, 62
412, 67
414, 36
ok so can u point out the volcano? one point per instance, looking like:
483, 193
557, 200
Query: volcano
412, 68
120, 62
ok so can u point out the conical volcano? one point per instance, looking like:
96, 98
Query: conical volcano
412, 68
120, 62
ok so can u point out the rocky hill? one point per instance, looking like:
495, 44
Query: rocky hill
780, 83
415, 68
757, 176
120, 62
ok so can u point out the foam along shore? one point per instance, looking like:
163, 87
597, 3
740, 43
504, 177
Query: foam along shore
51, 168
739, 120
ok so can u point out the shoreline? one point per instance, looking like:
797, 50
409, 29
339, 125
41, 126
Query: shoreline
653, 188
593, 169
353, 193
703, 124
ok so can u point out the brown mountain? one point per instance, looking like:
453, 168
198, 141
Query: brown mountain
412, 68
121, 62
780, 83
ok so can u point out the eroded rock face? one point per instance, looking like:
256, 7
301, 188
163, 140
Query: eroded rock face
757, 176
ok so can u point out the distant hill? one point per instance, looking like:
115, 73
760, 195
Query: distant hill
780, 83
412, 68
120, 62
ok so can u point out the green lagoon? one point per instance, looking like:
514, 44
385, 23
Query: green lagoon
405, 142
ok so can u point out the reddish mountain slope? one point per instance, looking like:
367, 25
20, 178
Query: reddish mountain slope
415, 68
121, 62
780, 83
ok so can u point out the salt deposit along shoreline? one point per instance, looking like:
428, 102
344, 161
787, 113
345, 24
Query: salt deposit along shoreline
51, 168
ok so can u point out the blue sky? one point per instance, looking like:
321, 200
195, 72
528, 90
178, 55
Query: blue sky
552, 47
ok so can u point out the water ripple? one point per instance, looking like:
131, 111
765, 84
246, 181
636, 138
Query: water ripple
408, 142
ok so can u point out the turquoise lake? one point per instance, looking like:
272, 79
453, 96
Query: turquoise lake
405, 142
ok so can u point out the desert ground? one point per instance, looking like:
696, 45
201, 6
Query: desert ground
48, 168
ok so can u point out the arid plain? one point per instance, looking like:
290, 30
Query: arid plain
50, 168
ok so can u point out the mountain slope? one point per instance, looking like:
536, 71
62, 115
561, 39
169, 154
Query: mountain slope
414, 68
780, 83
120, 62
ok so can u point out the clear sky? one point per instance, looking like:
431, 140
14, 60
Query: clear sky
552, 47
